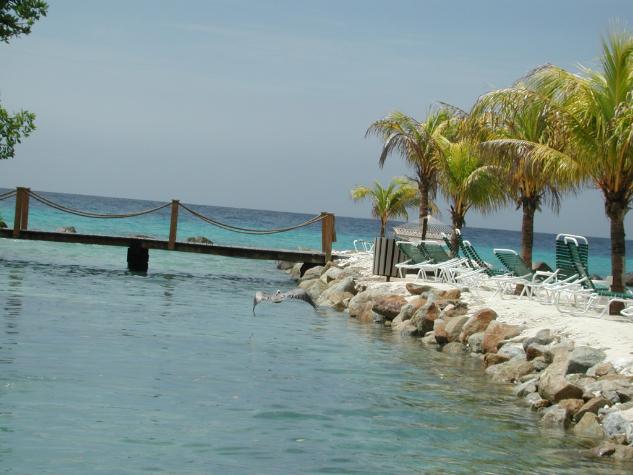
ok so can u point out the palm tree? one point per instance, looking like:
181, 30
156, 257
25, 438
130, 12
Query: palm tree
596, 109
389, 202
418, 143
467, 182
523, 138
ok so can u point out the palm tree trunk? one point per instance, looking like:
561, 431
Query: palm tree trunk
616, 211
383, 227
423, 186
529, 205
458, 220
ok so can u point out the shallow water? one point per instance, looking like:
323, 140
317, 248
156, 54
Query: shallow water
106, 372
102, 371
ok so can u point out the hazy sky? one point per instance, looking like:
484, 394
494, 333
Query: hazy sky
264, 104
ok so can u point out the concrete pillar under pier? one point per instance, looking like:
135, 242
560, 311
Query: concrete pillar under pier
137, 258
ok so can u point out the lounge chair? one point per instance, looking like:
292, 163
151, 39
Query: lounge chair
361, 245
416, 257
442, 265
531, 280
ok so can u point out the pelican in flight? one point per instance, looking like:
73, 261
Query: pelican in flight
279, 296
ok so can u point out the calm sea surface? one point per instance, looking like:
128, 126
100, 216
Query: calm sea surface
106, 372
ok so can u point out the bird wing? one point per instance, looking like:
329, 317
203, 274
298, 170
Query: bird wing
259, 296
299, 294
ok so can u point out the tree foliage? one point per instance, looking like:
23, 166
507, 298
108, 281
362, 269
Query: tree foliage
18, 16
388, 202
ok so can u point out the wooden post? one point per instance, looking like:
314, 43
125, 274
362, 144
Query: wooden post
327, 233
24, 213
17, 220
173, 226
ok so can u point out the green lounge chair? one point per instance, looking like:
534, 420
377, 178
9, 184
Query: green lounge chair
416, 257
530, 279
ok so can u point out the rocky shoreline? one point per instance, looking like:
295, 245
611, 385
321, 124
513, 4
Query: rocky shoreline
572, 387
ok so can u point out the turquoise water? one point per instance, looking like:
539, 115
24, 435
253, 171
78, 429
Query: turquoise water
106, 372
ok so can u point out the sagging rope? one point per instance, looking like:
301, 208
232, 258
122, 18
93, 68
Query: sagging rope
88, 214
8, 194
238, 229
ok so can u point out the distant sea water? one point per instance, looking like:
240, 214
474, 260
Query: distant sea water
102, 371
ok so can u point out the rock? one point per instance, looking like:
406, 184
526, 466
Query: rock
536, 402
592, 406
314, 288
623, 453
425, 317
478, 322
491, 359
601, 369
449, 294
333, 273
407, 311
454, 310
429, 339
439, 329
509, 371
66, 229
389, 306
313, 273
285, 265
454, 327
539, 363
366, 314
572, 406
295, 271
416, 289
553, 386
606, 449
619, 423
496, 332
584, 357
528, 387
408, 329
535, 350
453, 347
204, 240
589, 427
336, 300
614, 387
512, 351
555, 417
475, 342
541, 266
357, 303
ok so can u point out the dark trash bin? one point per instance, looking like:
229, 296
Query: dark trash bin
386, 256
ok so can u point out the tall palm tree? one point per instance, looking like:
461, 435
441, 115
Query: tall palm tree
467, 182
418, 143
522, 142
596, 109
389, 202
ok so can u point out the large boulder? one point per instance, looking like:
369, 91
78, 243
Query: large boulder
439, 329
456, 309
525, 388
389, 306
453, 347
593, 406
478, 322
365, 314
295, 271
449, 294
536, 402
542, 337
475, 342
589, 427
425, 317
333, 273
572, 406
614, 387
497, 332
336, 292
313, 273
584, 357
491, 359
454, 327
534, 350
314, 288
359, 301
555, 417
601, 369
619, 423
512, 351
552, 385
509, 371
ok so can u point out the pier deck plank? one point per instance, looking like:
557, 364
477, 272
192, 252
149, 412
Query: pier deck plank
309, 257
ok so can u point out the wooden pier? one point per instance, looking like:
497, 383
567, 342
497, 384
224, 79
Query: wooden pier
138, 246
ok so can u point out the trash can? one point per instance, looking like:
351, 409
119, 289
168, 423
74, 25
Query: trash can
386, 256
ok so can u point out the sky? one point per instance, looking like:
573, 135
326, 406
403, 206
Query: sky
265, 104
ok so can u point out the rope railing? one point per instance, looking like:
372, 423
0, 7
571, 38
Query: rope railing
238, 229
89, 214
8, 194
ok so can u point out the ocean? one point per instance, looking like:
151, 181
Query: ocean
103, 371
